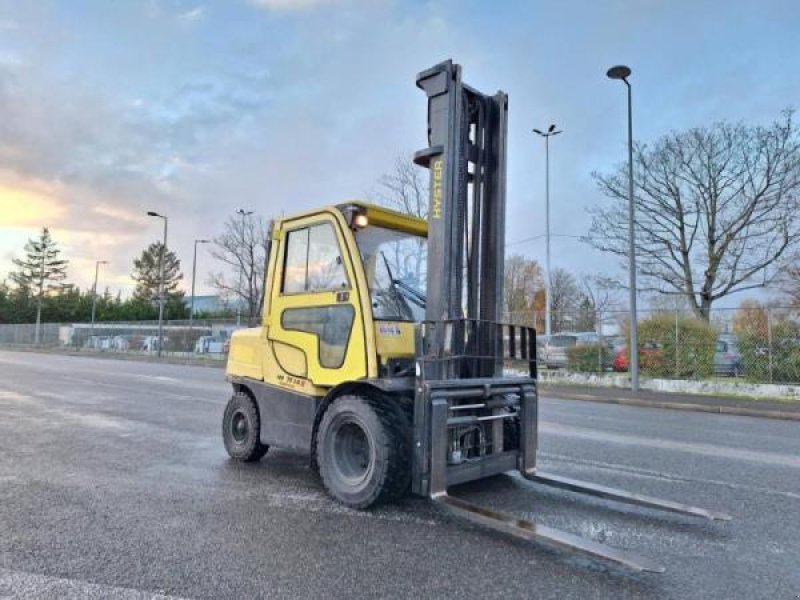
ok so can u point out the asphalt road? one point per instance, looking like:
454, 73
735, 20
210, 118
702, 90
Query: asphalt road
114, 484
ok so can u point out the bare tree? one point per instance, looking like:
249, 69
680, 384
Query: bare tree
716, 209
242, 247
522, 280
669, 303
404, 189
789, 280
565, 298
599, 298
602, 292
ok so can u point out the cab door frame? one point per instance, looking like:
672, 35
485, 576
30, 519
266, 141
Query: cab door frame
357, 362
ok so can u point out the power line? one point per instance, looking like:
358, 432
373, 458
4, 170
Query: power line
538, 237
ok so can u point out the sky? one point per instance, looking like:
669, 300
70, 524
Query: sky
195, 109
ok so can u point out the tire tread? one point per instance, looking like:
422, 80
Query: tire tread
396, 440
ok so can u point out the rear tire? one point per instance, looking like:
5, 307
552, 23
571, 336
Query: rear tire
364, 451
241, 429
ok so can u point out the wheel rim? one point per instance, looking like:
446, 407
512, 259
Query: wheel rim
240, 427
352, 452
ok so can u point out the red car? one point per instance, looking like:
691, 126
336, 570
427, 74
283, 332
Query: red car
649, 350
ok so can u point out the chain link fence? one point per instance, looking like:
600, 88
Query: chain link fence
755, 344
184, 339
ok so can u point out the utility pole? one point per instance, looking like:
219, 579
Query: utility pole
551, 131
622, 72
94, 292
160, 282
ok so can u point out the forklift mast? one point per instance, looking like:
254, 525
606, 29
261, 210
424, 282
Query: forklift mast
466, 156
471, 419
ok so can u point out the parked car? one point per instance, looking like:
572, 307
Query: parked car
556, 346
648, 351
150, 343
555, 349
727, 358
121, 342
99, 342
615, 342
541, 342
209, 344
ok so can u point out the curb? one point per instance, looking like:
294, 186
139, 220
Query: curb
722, 410
164, 360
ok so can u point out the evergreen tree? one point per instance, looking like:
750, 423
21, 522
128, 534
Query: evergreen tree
40, 270
147, 277
6, 303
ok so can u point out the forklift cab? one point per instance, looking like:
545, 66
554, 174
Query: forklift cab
345, 286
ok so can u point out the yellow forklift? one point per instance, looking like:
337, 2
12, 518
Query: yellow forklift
381, 353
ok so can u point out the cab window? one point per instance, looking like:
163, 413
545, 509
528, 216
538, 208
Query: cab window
313, 261
331, 325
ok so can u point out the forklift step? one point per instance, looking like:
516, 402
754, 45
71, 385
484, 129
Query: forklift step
545, 536
608, 493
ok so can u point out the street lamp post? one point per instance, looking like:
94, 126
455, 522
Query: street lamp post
151, 213
94, 292
244, 214
551, 131
622, 72
194, 271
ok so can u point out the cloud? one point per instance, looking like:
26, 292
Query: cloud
9, 60
88, 162
85, 225
283, 114
192, 16
22, 203
290, 5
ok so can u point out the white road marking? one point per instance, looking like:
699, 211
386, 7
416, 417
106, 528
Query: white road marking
23, 586
660, 475
770, 458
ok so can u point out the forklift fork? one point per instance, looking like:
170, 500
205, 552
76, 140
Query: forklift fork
437, 395
545, 536
559, 540
608, 493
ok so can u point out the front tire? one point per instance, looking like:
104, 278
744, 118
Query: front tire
364, 451
241, 429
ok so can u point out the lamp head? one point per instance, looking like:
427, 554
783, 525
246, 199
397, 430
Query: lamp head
619, 72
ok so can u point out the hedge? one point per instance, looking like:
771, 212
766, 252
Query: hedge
689, 354
589, 358
785, 350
